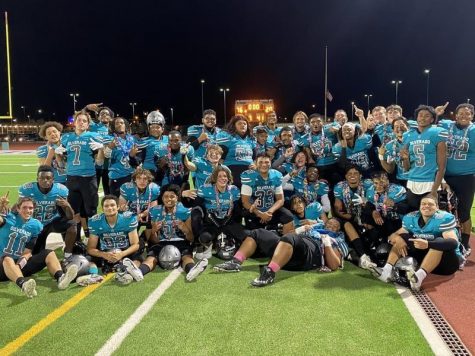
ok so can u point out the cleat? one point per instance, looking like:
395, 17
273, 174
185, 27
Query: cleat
68, 277
204, 252
365, 262
88, 279
413, 280
132, 269
123, 278
228, 266
29, 288
197, 269
267, 277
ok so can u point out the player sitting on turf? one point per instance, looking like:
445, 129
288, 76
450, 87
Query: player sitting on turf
172, 226
139, 196
310, 247
430, 236
262, 196
219, 198
349, 202
114, 243
18, 233
52, 209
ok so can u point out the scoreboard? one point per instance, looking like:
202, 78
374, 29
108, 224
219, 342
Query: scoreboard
255, 110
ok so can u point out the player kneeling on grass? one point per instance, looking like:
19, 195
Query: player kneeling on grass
310, 247
171, 225
18, 233
114, 243
52, 209
428, 235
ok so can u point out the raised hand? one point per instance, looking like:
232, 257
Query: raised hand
94, 107
358, 112
4, 202
439, 110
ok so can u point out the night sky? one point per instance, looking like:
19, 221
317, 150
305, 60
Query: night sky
155, 53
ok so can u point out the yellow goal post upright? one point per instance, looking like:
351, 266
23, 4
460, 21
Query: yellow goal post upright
7, 45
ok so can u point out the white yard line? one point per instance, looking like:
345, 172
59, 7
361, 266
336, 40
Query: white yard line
119, 336
436, 343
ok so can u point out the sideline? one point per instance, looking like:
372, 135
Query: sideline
436, 343
119, 336
16, 344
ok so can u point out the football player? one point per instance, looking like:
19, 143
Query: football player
270, 127
170, 160
104, 115
52, 209
306, 213
120, 148
200, 136
139, 196
310, 247
155, 139
430, 236
263, 197
51, 132
204, 166
460, 174
172, 225
348, 207
83, 150
424, 156
114, 243
18, 233
219, 199
238, 146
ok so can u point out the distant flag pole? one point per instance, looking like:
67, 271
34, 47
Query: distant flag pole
10, 111
326, 82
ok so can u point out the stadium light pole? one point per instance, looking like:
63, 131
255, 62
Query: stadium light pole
352, 103
24, 112
133, 109
202, 96
171, 112
224, 90
427, 72
74, 95
368, 97
396, 83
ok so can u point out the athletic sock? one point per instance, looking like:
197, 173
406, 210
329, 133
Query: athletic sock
421, 274
58, 275
144, 269
358, 246
274, 267
387, 270
78, 232
93, 270
19, 281
189, 266
239, 257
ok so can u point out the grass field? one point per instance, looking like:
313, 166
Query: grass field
312, 313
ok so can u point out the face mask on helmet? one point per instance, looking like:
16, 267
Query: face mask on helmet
155, 117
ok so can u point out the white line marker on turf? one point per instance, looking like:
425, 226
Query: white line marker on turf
438, 346
116, 340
